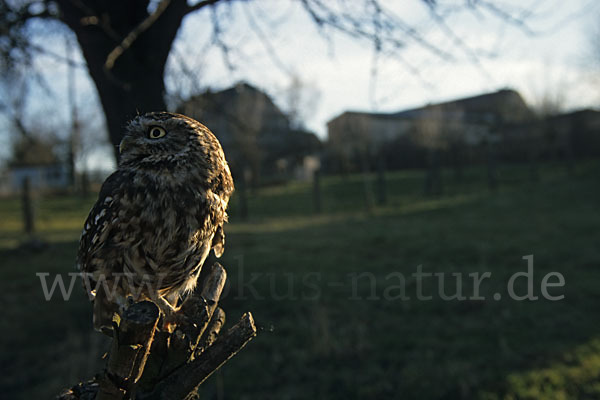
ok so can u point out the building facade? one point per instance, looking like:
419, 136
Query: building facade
462, 129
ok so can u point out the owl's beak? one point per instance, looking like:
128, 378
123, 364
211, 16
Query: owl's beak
122, 146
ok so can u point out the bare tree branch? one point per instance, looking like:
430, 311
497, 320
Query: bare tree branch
201, 4
263, 38
515, 20
217, 40
376, 25
134, 34
185, 381
459, 42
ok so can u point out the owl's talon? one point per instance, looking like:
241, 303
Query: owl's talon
171, 316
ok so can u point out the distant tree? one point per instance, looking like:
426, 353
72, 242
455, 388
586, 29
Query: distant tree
35, 149
545, 140
301, 100
126, 44
592, 57
38, 135
550, 95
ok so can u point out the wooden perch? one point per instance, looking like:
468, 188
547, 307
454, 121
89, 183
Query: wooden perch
130, 348
184, 382
148, 362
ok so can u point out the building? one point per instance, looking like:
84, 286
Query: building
43, 176
404, 138
255, 134
577, 132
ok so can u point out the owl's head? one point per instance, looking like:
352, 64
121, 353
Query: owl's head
160, 138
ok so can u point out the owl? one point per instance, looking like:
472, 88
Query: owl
157, 216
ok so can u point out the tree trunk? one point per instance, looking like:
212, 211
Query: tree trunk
135, 83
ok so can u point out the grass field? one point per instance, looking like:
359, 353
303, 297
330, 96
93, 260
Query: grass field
329, 292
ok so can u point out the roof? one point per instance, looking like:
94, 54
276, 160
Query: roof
576, 113
24, 165
364, 114
472, 108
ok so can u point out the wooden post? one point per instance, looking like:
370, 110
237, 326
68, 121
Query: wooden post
491, 166
130, 348
85, 184
433, 178
368, 189
381, 184
147, 361
27, 203
457, 151
243, 195
184, 383
532, 160
74, 136
569, 152
317, 191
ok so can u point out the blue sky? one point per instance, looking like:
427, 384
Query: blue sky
553, 59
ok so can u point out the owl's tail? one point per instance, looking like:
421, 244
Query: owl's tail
104, 310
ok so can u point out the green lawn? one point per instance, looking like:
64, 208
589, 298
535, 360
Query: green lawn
326, 290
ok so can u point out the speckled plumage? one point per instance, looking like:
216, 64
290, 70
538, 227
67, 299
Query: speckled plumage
157, 217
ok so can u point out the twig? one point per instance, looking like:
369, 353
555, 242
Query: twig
212, 331
200, 5
185, 382
196, 312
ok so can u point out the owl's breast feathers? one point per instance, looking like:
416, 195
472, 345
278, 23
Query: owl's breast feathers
148, 231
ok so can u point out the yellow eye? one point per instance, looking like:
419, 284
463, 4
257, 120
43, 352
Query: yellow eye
156, 132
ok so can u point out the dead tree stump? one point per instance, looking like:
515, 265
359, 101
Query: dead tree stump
148, 362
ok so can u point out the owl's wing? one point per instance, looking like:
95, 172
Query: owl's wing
216, 205
218, 241
99, 220
95, 231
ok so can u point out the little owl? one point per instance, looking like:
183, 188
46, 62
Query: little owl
157, 217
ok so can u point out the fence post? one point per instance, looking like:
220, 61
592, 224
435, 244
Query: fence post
381, 184
491, 166
317, 191
27, 204
243, 190
433, 177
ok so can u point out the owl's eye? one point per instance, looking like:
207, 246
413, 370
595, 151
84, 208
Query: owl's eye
156, 132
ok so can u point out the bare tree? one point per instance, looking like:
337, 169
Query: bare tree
546, 138
13, 102
301, 100
592, 57
126, 44
549, 92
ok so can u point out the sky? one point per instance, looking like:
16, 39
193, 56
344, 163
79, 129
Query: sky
550, 59
275, 40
